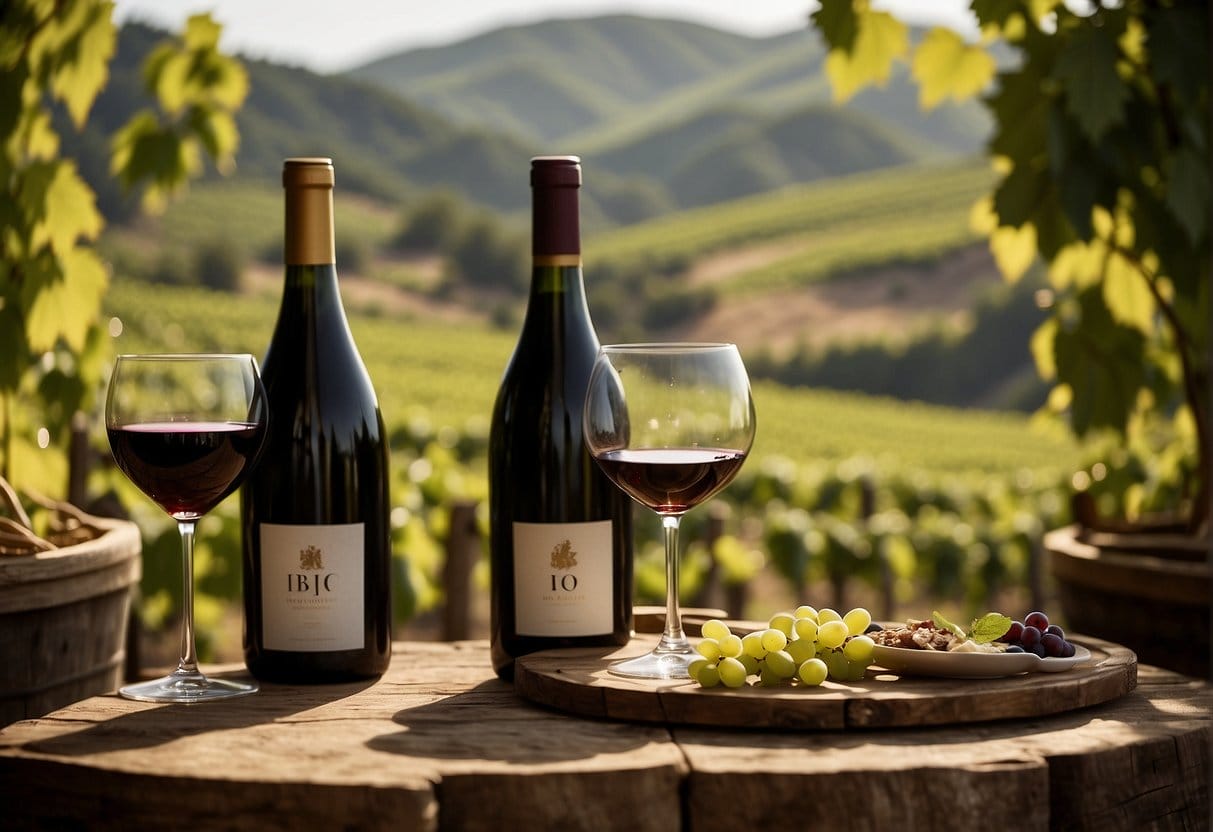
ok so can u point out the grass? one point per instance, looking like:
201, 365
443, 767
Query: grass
448, 374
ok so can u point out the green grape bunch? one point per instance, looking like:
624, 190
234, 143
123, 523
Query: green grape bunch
804, 647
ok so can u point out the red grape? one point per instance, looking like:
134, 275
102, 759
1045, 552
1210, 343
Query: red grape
1038, 620
1053, 644
1013, 633
1030, 637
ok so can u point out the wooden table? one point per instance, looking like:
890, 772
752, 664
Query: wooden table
439, 743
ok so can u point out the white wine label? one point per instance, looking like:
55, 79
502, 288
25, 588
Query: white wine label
311, 587
562, 579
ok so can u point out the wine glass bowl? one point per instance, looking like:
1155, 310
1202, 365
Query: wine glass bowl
186, 429
670, 424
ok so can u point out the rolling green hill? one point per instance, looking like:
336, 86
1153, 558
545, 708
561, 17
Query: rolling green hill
381, 144
666, 113
608, 64
674, 101
450, 375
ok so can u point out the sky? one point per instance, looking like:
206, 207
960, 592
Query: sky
330, 37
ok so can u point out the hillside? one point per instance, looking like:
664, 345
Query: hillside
382, 145
666, 114
624, 91
606, 65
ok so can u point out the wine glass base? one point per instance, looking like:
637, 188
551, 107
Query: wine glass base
187, 688
659, 664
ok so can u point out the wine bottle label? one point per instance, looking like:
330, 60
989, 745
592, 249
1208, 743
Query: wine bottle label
311, 587
562, 579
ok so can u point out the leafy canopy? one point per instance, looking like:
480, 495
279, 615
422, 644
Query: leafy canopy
1101, 142
56, 55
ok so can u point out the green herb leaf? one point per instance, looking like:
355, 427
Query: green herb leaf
944, 624
989, 627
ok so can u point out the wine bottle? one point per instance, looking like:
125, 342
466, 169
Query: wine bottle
315, 511
560, 531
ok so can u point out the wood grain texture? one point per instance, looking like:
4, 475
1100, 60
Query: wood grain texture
63, 621
440, 743
60, 576
433, 744
577, 681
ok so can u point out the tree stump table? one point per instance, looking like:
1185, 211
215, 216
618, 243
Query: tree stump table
440, 743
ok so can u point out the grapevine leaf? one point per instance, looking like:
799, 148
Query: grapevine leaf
1127, 294
837, 23
1038, 9
38, 135
201, 33
1077, 169
58, 205
990, 627
1018, 196
944, 624
142, 150
946, 67
84, 61
881, 39
14, 356
170, 82
995, 12
222, 81
1014, 249
1041, 346
71, 209
12, 82
1077, 265
1094, 93
65, 308
1178, 42
216, 130
1188, 192
1053, 230
1103, 363
1019, 110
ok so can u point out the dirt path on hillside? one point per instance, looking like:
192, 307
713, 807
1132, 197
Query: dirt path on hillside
365, 294
891, 302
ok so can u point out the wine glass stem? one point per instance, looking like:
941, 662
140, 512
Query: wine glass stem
673, 637
189, 652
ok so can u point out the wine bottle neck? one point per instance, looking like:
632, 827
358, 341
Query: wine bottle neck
564, 280
319, 279
309, 212
555, 218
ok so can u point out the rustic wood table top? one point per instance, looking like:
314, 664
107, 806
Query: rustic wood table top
440, 743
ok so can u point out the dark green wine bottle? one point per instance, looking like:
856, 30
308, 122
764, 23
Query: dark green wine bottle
315, 511
560, 531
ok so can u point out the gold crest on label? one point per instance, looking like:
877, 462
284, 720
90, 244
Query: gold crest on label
563, 556
311, 558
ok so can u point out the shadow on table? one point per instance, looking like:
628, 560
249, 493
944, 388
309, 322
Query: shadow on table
490, 722
110, 723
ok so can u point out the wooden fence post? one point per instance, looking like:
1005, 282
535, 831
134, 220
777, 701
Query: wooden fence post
462, 551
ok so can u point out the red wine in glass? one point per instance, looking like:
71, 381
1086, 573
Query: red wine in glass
186, 467
671, 480
670, 425
186, 429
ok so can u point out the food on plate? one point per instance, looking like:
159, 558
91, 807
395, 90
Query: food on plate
992, 633
804, 647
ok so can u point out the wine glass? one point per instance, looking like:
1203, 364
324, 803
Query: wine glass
670, 424
186, 429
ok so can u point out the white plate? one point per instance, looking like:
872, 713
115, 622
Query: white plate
972, 665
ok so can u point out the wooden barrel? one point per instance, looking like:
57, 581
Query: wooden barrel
63, 621
1150, 593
